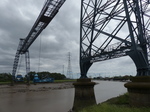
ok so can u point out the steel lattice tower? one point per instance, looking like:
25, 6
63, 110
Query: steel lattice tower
112, 29
69, 70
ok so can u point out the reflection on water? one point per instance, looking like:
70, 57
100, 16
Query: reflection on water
54, 100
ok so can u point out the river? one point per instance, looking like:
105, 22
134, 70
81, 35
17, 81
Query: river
55, 100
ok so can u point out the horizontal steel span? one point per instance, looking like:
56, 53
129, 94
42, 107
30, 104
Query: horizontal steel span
48, 12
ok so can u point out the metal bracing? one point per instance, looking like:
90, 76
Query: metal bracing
16, 60
27, 60
114, 28
50, 9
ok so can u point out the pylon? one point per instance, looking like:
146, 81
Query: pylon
69, 70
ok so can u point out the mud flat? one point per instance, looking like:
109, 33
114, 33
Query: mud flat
34, 87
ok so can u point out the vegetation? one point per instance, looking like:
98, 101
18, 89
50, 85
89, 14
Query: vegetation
118, 104
41, 75
5, 77
115, 78
114, 108
120, 100
1, 83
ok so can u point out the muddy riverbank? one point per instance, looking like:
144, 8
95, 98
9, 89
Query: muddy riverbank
34, 87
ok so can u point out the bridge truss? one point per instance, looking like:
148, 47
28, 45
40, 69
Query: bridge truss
48, 12
115, 28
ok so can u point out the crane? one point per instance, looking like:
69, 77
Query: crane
48, 12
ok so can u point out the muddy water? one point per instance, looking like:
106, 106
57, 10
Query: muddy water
36, 100
108, 89
51, 100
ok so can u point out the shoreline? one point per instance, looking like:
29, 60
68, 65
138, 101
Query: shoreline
22, 88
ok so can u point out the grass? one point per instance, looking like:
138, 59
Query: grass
120, 100
118, 104
1, 83
105, 107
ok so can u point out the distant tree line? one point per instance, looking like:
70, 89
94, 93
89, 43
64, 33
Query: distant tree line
4, 77
42, 75
115, 78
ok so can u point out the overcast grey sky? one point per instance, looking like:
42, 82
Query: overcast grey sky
60, 37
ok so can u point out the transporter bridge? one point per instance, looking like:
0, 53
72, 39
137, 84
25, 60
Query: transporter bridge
48, 12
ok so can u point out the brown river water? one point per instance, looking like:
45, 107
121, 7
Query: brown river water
51, 97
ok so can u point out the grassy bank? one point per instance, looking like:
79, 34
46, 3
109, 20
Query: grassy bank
118, 104
1, 83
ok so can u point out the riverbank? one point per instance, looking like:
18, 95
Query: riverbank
31, 82
17, 88
117, 104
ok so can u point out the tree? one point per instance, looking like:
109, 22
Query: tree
4, 77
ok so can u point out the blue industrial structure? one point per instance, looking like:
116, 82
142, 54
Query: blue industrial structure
19, 78
36, 79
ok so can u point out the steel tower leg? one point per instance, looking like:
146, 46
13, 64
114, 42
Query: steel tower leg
16, 60
86, 64
84, 67
138, 53
15, 65
141, 63
27, 60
